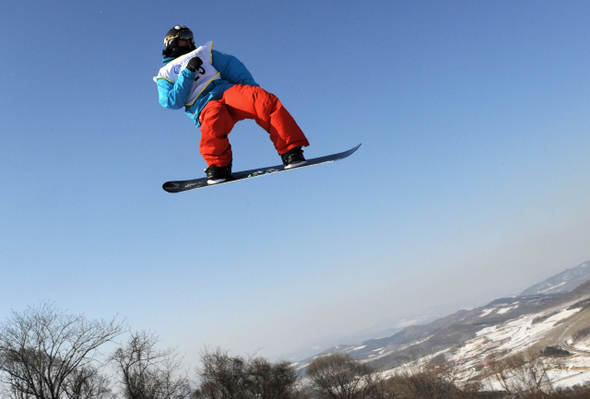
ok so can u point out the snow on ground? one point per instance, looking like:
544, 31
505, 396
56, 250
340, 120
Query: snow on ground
521, 333
575, 371
581, 344
515, 336
566, 373
552, 287
506, 310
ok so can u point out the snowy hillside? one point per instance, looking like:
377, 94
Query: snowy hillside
563, 325
469, 340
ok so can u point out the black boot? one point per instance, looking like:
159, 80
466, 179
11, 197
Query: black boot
293, 158
218, 174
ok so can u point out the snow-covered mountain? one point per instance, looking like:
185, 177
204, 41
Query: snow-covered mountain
565, 281
547, 315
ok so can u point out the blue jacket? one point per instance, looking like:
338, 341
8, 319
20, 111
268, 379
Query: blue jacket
175, 96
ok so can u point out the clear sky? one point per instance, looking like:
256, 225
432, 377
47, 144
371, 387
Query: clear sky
472, 182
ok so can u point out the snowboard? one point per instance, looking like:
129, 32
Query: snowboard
177, 186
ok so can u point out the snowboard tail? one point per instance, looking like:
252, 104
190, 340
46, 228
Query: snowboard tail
177, 186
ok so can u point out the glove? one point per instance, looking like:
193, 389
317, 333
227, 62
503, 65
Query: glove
194, 63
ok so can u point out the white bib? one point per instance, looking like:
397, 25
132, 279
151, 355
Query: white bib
205, 74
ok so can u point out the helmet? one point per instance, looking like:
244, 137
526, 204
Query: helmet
177, 33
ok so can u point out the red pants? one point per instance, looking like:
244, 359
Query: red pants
246, 102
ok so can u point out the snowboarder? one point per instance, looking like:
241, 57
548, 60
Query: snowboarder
216, 91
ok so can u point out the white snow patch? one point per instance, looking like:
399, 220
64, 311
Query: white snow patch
552, 287
506, 310
486, 312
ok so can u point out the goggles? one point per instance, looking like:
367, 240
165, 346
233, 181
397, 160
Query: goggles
183, 33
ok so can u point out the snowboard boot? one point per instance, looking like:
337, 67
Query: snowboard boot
218, 174
293, 158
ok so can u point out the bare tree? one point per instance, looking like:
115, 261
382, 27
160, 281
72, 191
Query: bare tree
88, 383
423, 384
533, 373
271, 381
222, 376
147, 373
501, 372
45, 352
226, 377
522, 374
339, 376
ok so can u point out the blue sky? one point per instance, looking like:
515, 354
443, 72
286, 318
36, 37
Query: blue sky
472, 181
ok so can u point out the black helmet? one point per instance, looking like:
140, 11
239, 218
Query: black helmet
176, 33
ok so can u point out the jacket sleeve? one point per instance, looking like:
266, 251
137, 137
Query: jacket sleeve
232, 69
175, 95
